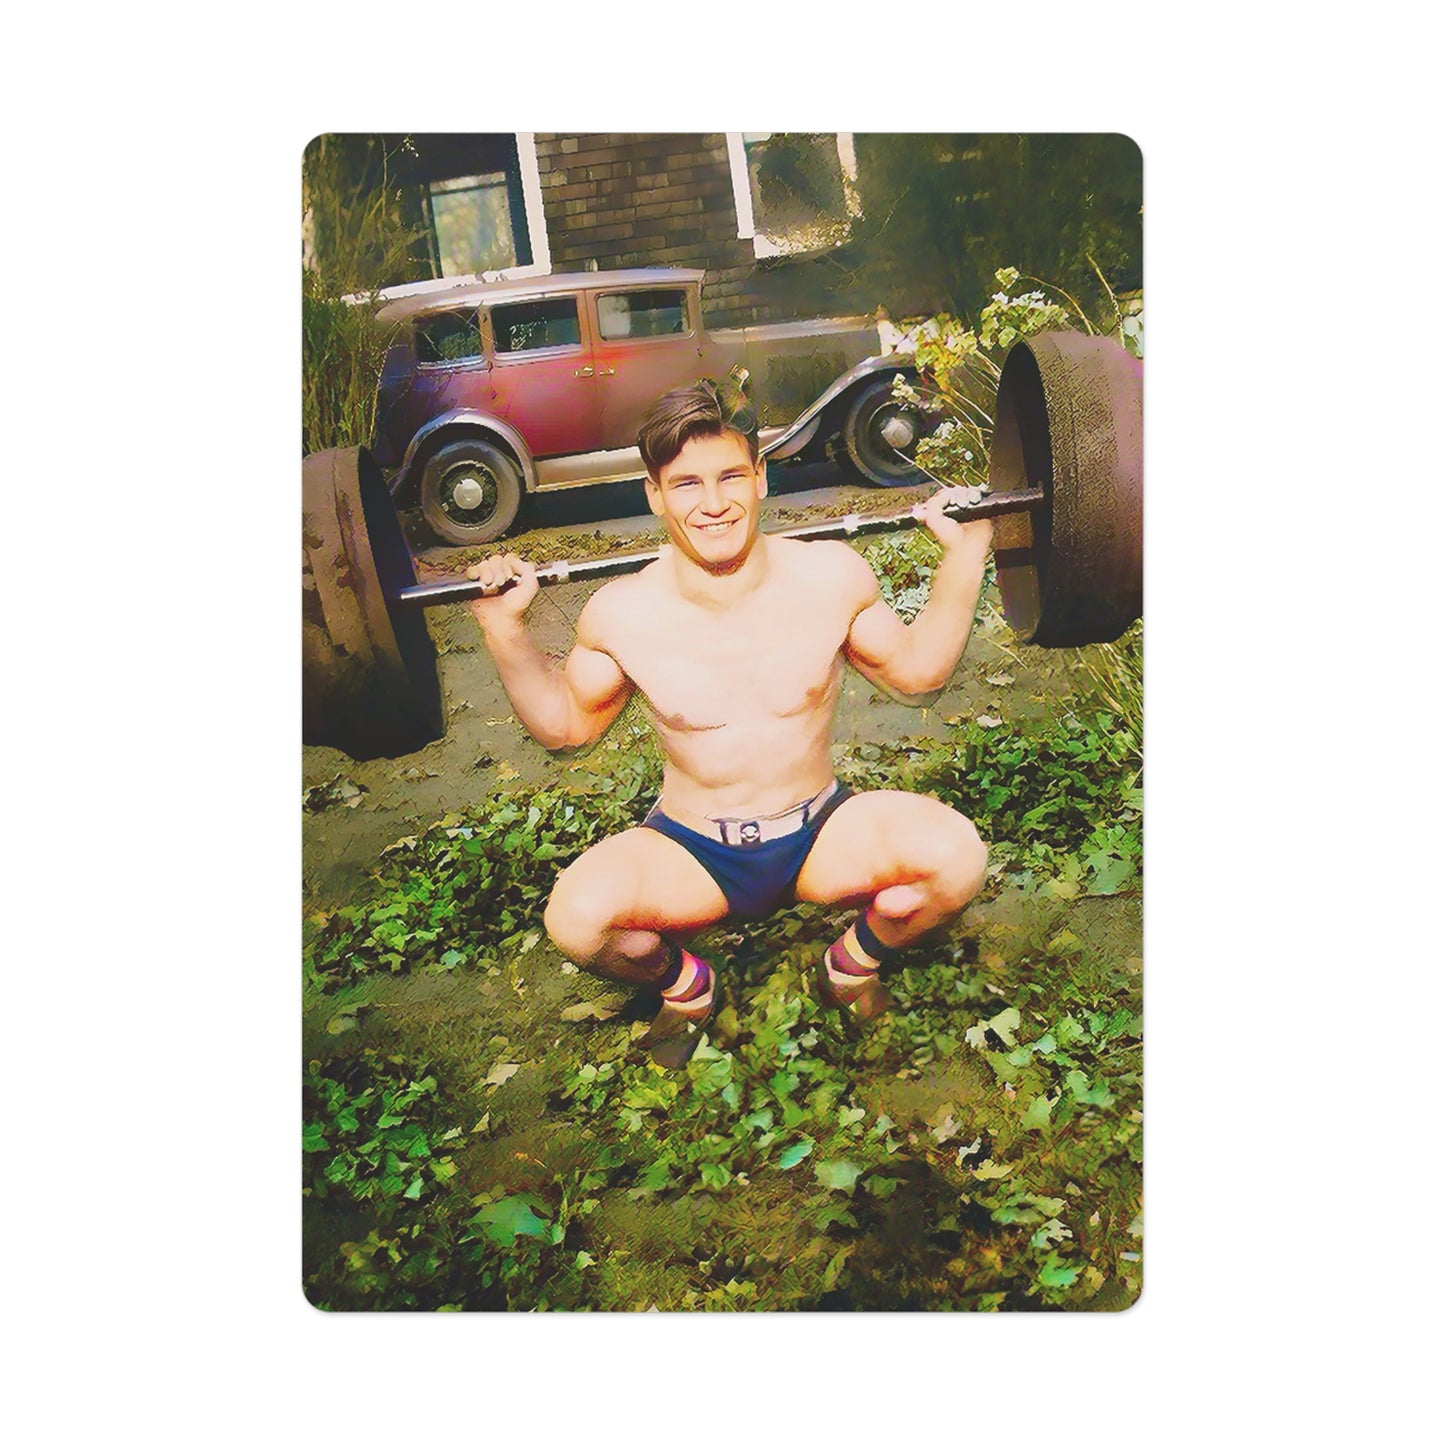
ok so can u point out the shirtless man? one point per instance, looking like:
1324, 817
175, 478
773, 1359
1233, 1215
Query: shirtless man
737, 642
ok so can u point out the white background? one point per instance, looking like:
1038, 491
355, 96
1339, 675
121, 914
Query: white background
153, 848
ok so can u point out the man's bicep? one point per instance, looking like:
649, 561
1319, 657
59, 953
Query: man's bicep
876, 641
598, 687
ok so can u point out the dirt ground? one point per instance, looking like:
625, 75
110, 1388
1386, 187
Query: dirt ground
485, 745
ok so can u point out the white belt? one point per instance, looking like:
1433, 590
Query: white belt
745, 832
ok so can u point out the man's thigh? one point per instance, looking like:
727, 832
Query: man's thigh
640, 879
877, 840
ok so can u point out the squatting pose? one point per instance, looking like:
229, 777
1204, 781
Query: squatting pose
737, 641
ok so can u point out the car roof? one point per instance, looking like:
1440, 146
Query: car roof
476, 293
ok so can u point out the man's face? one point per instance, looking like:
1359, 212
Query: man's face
709, 498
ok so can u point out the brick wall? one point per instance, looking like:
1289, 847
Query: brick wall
662, 200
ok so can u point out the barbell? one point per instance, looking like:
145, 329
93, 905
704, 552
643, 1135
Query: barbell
1065, 487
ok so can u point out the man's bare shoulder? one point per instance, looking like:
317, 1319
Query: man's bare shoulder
830, 565
617, 608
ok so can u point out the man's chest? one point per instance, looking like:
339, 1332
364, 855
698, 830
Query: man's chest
717, 673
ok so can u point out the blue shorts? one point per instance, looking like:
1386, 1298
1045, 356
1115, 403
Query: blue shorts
756, 878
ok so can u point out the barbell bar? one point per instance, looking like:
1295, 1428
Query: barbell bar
1065, 485
433, 594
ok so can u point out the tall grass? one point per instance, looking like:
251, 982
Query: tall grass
361, 241
1112, 674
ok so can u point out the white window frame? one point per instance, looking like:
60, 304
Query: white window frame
743, 192
536, 234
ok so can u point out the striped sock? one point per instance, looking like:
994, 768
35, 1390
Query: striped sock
858, 954
687, 978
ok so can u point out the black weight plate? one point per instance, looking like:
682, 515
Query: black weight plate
1070, 419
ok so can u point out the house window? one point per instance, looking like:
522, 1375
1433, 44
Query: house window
796, 194
479, 199
471, 224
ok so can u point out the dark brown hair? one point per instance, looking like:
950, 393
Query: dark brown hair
707, 408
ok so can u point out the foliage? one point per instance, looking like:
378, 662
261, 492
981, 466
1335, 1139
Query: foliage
377, 1137
1060, 801
368, 1133
1112, 675
960, 368
470, 888
943, 212
978, 1150
360, 241
377, 1149
903, 562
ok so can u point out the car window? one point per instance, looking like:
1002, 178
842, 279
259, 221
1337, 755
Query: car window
531, 325
641, 313
448, 336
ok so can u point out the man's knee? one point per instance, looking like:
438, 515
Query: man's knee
579, 912
959, 861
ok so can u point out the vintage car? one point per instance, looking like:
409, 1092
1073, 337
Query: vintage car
490, 390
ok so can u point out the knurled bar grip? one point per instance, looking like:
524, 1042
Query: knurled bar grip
433, 594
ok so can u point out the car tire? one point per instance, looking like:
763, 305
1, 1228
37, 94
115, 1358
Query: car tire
470, 492
869, 453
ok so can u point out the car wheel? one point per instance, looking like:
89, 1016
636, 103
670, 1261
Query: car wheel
880, 435
470, 492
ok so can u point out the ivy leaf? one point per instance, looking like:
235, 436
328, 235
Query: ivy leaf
835, 1267
1086, 1093
795, 1153
504, 1220
1052, 1231
500, 1074
837, 1173
601, 1009
715, 1176
1111, 872
941, 1123
1001, 1024
1036, 1116
1058, 1274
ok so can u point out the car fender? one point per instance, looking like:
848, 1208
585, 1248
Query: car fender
468, 422
801, 431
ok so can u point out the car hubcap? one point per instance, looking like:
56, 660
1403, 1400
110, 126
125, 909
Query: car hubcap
888, 440
897, 431
470, 494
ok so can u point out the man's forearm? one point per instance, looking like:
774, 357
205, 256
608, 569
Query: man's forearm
534, 682
940, 632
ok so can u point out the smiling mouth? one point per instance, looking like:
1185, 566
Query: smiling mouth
713, 527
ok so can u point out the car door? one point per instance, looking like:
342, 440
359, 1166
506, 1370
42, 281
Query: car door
543, 373
647, 342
